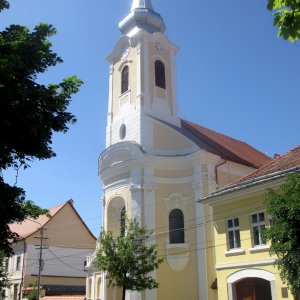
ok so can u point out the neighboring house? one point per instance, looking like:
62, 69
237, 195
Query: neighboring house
66, 243
156, 165
243, 265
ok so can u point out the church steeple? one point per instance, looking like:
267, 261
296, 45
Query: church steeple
141, 4
142, 16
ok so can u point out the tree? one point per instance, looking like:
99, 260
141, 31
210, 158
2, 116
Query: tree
30, 112
286, 18
283, 205
127, 260
3, 275
32, 294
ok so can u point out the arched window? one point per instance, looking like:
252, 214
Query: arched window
122, 221
160, 77
125, 77
176, 226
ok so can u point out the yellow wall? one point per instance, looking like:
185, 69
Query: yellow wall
241, 208
130, 97
173, 283
65, 229
165, 138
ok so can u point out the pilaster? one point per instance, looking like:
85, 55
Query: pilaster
200, 231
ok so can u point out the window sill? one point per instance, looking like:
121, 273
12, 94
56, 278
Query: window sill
233, 252
124, 94
260, 248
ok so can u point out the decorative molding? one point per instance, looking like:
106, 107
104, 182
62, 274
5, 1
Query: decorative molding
245, 264
177, 261
261, 248
135, 188
175, 200
149, 187
234, 252
250, 273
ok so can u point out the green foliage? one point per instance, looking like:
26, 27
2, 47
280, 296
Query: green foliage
3, 275
127, 260
30, 112
284, 233
3, 4
31, 295
287, 18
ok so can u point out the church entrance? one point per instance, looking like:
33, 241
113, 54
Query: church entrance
253, 289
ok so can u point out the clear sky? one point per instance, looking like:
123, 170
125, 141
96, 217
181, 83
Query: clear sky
233, 76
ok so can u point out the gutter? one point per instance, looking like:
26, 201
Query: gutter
252, 181
216, 171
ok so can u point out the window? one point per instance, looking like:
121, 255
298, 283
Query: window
125, 77
6, 265
160, 78
18, 263
176, 226
122, 131
258, 225
233, 230
123, 221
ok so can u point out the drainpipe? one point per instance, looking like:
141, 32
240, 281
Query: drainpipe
216, 171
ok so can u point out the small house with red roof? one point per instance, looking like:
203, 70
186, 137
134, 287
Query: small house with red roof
244, 268
65, 240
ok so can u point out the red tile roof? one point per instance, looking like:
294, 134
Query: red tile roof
28, 227
287, 161
227, 147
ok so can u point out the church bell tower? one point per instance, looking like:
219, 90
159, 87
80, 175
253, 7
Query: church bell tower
142, 78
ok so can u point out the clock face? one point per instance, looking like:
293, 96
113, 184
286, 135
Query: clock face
124, 53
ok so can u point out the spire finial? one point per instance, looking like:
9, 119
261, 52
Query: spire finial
141, 4
142, 17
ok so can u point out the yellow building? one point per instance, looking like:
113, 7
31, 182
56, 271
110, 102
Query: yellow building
243, 265
65, 244
156, 165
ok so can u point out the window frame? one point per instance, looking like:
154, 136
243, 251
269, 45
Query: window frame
176, 227
160, 74
235, 243
261, 225
124, 79
18, 263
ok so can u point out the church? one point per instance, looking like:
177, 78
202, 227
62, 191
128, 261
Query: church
156, 166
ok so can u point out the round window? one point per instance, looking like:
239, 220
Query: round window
122, 131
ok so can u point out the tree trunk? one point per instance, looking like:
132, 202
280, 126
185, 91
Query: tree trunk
123, 292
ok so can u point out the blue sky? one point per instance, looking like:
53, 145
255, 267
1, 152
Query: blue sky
233, 76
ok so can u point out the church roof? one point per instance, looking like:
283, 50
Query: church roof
225, 146
142, 16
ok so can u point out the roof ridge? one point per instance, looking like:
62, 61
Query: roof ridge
273, 161
227, 146
220, 133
